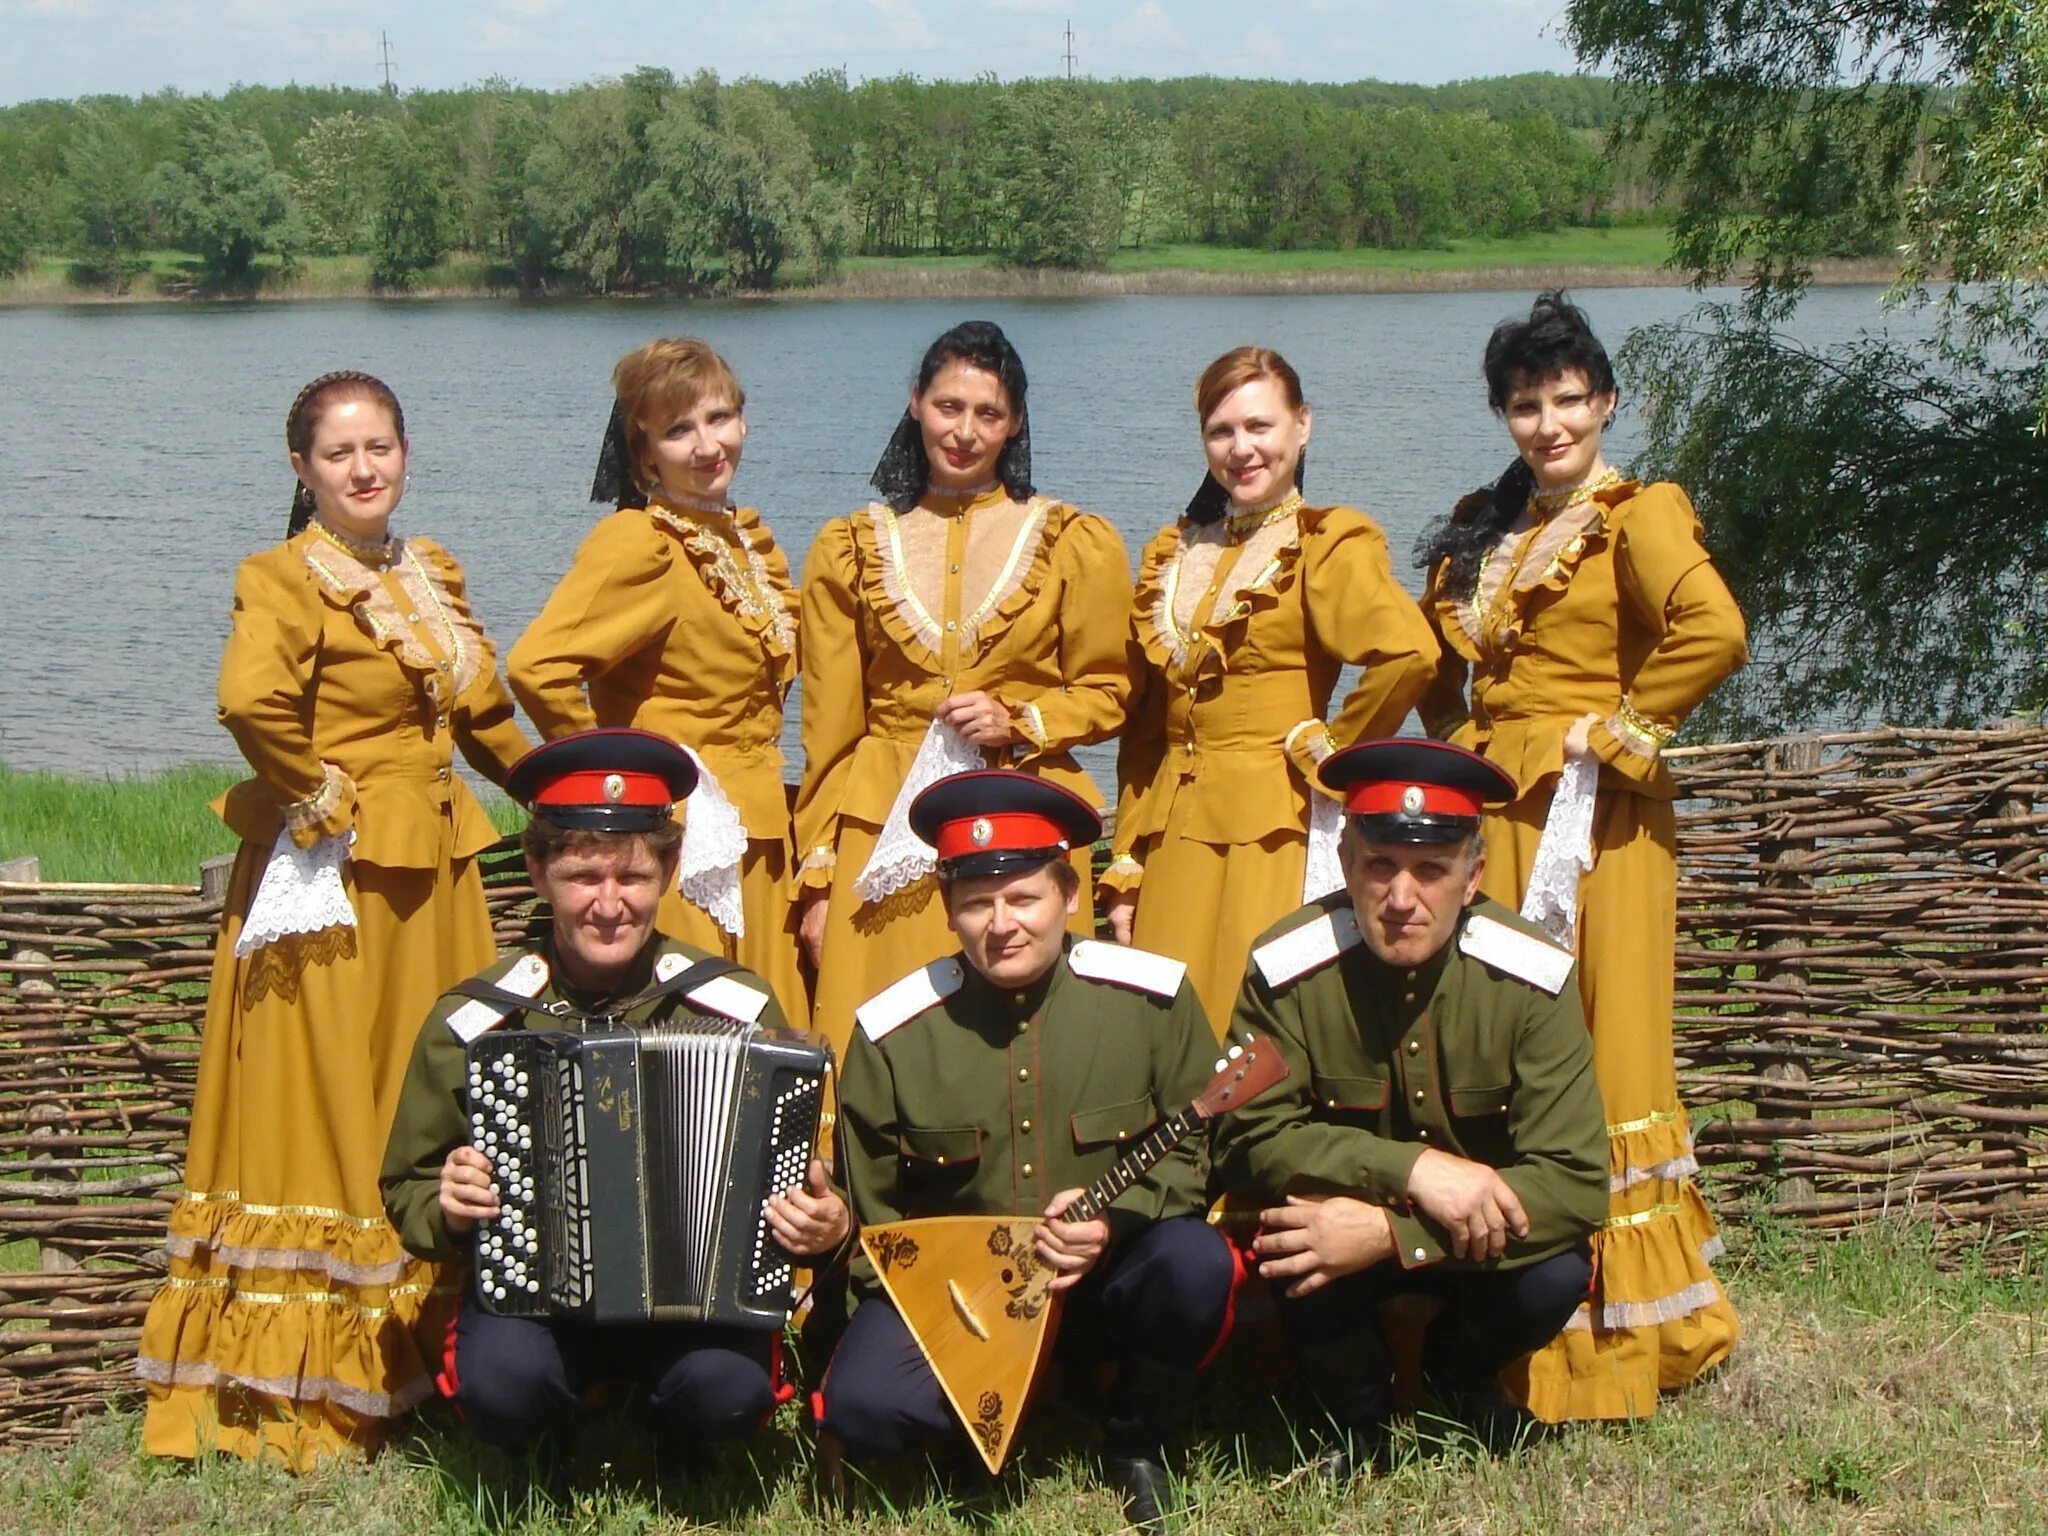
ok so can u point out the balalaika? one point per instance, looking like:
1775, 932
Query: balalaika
631, 1167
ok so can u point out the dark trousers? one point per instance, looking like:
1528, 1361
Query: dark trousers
1488, 1318
518, 1378
1155, 1305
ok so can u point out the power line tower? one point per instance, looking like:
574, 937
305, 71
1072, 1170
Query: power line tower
384, 43
1068, 56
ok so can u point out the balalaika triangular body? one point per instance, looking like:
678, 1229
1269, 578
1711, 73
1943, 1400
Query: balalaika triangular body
974, 1294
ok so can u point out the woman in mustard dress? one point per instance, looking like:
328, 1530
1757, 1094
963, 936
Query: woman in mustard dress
961, 620
1246, 609
678, 617
1591, 621
292, 1326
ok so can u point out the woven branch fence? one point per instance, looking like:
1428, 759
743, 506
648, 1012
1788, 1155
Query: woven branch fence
1862, 973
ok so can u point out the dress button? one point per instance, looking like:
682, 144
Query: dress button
1333, 1103
1407, 997
951, 626
1423, 1134
1022, 1025
412, 618
1120, 1135
954, 569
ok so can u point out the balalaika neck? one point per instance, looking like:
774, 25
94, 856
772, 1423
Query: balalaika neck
1134, 1165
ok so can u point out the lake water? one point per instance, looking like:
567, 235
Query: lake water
142, 455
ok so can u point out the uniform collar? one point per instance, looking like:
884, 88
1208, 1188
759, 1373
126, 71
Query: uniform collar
639, 977
1014, 1002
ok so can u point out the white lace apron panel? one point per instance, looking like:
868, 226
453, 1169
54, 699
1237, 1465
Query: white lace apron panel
300, 892
714, 843
901, 857
1323, 873
1564, 853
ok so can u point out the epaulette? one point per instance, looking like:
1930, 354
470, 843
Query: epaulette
905, 1000
1307, 948
528, 977
1139, 969
1515, 953
726, 995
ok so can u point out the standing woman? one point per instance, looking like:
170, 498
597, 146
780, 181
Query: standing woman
960, 621
1246, 609
678, 617
292, 1325
1592, 621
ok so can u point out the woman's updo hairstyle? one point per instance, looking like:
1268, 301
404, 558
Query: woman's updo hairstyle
1219, 381
903, 470
1554, 340
303, 420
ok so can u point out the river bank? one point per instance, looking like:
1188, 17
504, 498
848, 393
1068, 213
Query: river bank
1627, 256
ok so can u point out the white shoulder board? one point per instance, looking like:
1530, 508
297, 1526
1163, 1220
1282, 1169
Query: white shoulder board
1307, 948
528, 977
1139, 969
1521, 955
726, 995
904, 1001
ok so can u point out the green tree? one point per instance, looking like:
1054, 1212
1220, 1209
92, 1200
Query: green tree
412, 216
585, 180
1876, 505
223, 196
101, 197
333, 183
1056, 184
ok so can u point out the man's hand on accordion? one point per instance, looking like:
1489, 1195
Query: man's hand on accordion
468, 1194
809, 1221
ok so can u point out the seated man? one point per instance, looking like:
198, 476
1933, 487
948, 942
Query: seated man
1003, 1080
601, 847
1441, 1131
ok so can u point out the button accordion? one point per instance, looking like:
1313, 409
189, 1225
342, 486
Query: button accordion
631, 1167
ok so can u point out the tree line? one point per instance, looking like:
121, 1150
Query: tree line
655, 182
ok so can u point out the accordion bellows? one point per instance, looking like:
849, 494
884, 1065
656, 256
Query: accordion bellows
632, 1165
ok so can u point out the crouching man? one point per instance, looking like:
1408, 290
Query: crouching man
1441, 1131
601, 848
1002, 1080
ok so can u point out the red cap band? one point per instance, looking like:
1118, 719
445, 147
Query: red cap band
1391, 797
593, 787
999, 831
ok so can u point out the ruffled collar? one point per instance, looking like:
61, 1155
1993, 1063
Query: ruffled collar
374, 554
905, 614
971, 498
737, 558
1538, 559
430, 633
1170, 647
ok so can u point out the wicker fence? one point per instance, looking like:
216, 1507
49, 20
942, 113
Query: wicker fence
1863, 964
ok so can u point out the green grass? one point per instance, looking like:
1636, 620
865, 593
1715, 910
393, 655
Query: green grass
147, 828
1877, 1390
1640, 245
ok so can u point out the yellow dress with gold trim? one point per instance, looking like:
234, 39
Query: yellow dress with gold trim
1025, 601
292, 1326
1243, 632
683, 622
1610, 606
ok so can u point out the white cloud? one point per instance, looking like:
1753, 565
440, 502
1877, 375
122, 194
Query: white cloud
906, 21
1148, 26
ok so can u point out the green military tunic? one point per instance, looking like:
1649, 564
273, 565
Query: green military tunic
1462, 1053
961, 1098
433, 1112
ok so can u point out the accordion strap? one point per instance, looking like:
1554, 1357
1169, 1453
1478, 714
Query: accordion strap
686, 980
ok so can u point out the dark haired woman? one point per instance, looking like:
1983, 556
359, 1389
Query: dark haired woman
679, 617
958, 621
292, 1326
1246, 609
1592, 621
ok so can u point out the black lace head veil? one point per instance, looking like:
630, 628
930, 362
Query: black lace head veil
304, 416
903, 470
615, 482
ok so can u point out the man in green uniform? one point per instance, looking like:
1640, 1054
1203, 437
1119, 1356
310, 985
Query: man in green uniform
1441, 1131
601, 848
1004, 1079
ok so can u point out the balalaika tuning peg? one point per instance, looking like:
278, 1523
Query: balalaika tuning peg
1236, 1051
1221, 1065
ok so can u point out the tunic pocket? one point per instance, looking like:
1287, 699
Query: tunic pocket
1113, 1122
940, 1146
1351, 1095
1477, 1103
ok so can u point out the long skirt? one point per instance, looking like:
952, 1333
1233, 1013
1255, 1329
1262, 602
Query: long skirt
292, 1326
1657, 1318
768, 948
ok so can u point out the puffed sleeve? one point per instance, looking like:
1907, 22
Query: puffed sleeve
486, 724
834, 717
1094, 575
1668, 583
612, 603
266, 695
1358, 613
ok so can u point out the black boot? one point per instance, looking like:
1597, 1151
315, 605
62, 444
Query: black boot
1146, 1405
1351, 1382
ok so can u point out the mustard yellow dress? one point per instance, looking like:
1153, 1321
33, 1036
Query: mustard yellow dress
292, 1326
682, 621
1611, 607
1026, 601
1243, 625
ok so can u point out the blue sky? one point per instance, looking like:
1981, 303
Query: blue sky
63, 48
